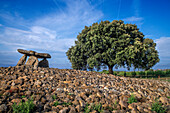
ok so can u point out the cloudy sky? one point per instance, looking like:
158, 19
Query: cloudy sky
51, 26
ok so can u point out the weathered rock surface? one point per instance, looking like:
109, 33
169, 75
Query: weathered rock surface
32, 61
74, 89
33, 58
33, 53
22, 60
43, 63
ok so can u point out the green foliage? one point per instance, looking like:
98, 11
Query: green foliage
23, 96
132, 99
98, 107
112, 44
88, 108
63, 103
54, 97
23, 107
105, 71
122, 73
156, 106
56, 103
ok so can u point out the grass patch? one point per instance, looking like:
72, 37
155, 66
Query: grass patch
88, 108
63, 103
23, 107
156, 106
132, 99
23, 96
54, 97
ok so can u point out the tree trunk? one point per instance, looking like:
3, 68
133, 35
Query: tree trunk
110, 69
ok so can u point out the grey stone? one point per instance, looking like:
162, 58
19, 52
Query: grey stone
3, 108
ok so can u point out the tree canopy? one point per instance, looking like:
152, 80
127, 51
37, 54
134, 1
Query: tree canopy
112, 44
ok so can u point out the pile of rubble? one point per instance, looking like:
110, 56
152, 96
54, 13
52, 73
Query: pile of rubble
71, 91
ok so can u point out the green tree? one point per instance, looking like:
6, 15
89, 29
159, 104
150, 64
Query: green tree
112, 44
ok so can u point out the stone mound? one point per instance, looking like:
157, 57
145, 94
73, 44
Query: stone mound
74, 89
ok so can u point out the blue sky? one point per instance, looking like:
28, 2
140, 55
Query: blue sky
51, 26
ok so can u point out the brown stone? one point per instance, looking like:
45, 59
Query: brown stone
72, 110
32, 61
43, 63
42, 55
28, 53
22, 60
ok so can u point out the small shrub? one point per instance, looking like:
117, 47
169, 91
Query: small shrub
122, 73
133, 74
23, 107
168, 97
156, 106
141, 73
132, 99
158, 73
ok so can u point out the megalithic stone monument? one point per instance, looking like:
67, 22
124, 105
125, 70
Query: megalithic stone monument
33, 58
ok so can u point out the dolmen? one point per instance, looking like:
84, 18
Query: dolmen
33, 58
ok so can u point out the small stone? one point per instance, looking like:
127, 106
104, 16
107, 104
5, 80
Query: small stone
105, 111
3, 108
64, 110
28, 93
47, 107
82, 103
131, 106
43, 100
118, 111
123, 104
54, 108
134, 111
147, 110
140, 108
159, 89
78, 107
16, 100
164, 100
72, 110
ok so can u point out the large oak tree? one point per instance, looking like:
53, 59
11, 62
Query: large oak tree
112, 44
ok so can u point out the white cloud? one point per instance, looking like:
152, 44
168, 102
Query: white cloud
72, 19
133, 19
54, 32
36, 38
163, 45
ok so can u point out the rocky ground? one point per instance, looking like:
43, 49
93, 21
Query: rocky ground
71, 91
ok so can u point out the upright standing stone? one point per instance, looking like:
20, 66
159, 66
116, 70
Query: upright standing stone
22, 60
43, 63
32, 61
